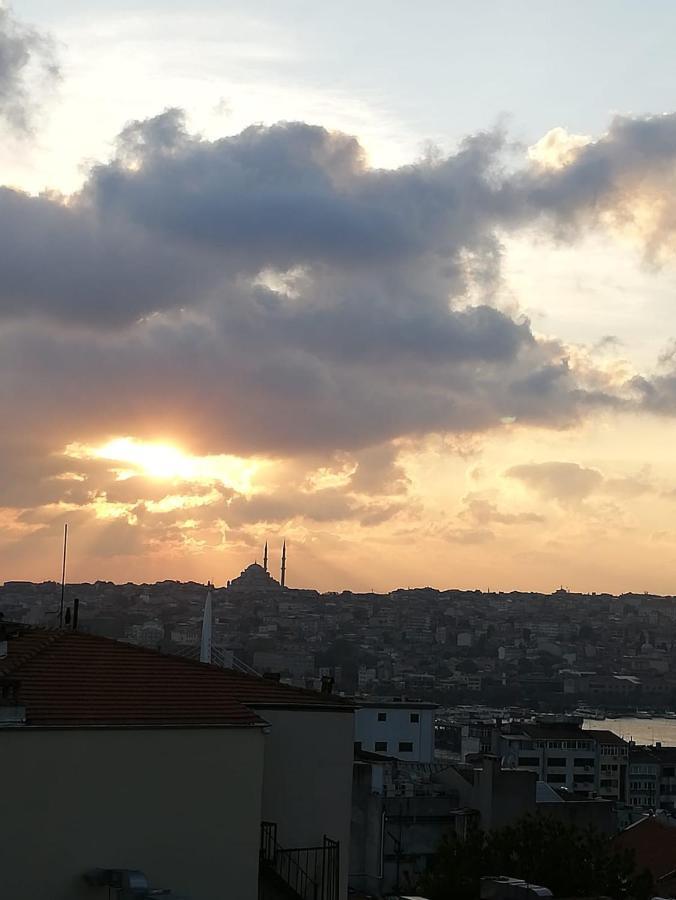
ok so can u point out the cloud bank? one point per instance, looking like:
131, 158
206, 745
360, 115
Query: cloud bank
27, 65
271, 293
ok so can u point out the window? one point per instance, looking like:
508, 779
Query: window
529, 761
405, 747
415, 718
382, 717
381, 746
554, 745
583, 761
556, 779
556, 761
357, 746
668, 772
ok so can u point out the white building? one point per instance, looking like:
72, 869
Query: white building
401, 729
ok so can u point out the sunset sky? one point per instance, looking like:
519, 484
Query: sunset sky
393, 281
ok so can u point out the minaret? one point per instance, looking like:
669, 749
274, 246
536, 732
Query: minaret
205, 645
283, 564
265, 557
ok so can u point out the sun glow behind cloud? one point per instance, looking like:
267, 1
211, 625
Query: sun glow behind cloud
167, 462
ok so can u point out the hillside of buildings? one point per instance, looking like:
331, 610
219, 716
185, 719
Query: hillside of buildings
546, 652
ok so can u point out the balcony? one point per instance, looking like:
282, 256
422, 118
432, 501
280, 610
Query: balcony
297, 873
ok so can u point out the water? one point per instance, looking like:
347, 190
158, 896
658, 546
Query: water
642, 731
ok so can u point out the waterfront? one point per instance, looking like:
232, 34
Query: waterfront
641, 731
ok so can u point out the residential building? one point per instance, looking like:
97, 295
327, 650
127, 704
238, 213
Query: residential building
652, 774
130, 759
644, 778
586, 761
398, 728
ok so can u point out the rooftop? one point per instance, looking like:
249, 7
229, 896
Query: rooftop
71, 679
653, 840
390, 703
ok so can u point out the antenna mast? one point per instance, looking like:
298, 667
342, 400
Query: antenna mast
63, 573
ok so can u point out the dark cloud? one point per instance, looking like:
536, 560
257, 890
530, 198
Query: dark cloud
379, 472
627, 177
484, 512
271, 292
570, 482
564, 481
27, 61
656, 394
65, 263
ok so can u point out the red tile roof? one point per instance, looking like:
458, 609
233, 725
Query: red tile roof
67, 678
654, 844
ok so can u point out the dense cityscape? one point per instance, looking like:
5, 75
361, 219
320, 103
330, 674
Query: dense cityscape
543, 652
470, 708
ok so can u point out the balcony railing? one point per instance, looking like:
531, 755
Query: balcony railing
311, 873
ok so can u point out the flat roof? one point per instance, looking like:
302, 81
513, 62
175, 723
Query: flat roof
393, 704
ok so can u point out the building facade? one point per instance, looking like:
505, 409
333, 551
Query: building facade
587, 762
400, 729
133, 760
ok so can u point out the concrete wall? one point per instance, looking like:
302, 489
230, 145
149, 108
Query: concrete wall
181, 805
396, 728
500, 796
503, 796
393, 838
599, 814
307, 785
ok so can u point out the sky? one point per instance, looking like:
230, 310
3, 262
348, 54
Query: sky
393, 282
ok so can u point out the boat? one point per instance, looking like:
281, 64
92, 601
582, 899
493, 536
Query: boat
587, 713
643, 714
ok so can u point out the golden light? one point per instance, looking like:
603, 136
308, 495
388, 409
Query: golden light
167, 462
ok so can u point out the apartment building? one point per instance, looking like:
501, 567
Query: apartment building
398, 728
652, 778
198, 780
644, 779
589, 762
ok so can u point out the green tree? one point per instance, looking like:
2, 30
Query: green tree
570, 861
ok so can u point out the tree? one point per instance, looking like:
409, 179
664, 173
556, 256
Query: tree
570, 861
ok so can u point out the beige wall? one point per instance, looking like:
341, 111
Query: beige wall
307, 787
181, 805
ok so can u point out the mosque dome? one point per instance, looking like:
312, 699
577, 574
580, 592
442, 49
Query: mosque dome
254, 578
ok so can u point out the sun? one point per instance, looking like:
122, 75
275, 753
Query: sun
164, 461
155, 460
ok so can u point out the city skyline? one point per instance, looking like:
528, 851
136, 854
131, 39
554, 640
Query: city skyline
361, 280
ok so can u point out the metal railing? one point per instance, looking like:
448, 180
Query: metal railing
312, 873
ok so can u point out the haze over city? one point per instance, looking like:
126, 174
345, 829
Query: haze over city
333, 274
